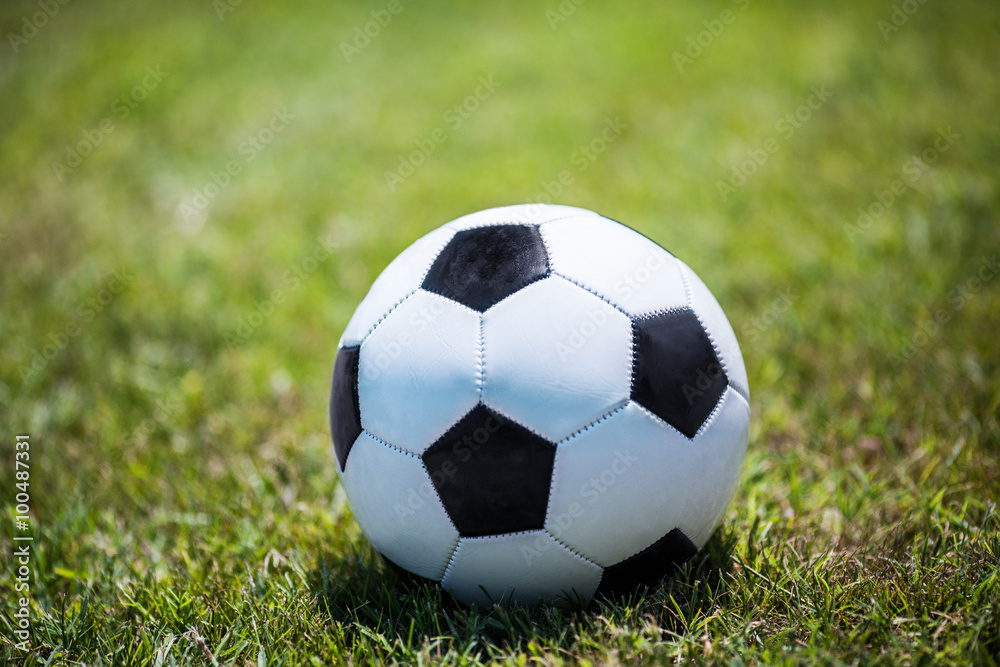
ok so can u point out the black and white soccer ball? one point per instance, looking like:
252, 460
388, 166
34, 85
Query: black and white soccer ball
537, 403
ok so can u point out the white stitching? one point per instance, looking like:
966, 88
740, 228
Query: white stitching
387, 314
572, 550
498, 223
389, 444
594, 292
659, 419
437, 496
414, 290
744, 393
687, 285
745, 399
515, 422
711, 415
451, 558
436, 255
711, 339
552, 486
482, 360
607, 415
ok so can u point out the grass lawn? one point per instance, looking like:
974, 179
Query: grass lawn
195, 195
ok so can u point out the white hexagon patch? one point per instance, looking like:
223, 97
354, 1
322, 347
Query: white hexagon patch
620, 264
418, 372
555, 357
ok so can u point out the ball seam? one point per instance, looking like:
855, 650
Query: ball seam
607, 415
481, 379
388, 444
573, 551
711, 339
591, 291
712, 415
499, 223
652, 415
744, 392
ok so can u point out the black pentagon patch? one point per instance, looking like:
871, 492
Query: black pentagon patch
479, 267
649, 566
676, 373
345, 414
491, 474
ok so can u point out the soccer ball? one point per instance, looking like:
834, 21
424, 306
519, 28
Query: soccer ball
536, 403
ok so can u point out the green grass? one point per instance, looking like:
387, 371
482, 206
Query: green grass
183, 490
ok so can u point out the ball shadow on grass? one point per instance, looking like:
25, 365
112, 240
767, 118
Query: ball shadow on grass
694, 589
368, 595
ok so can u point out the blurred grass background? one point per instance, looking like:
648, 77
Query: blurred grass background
183, 486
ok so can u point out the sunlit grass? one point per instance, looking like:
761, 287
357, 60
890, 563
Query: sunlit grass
186, 503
